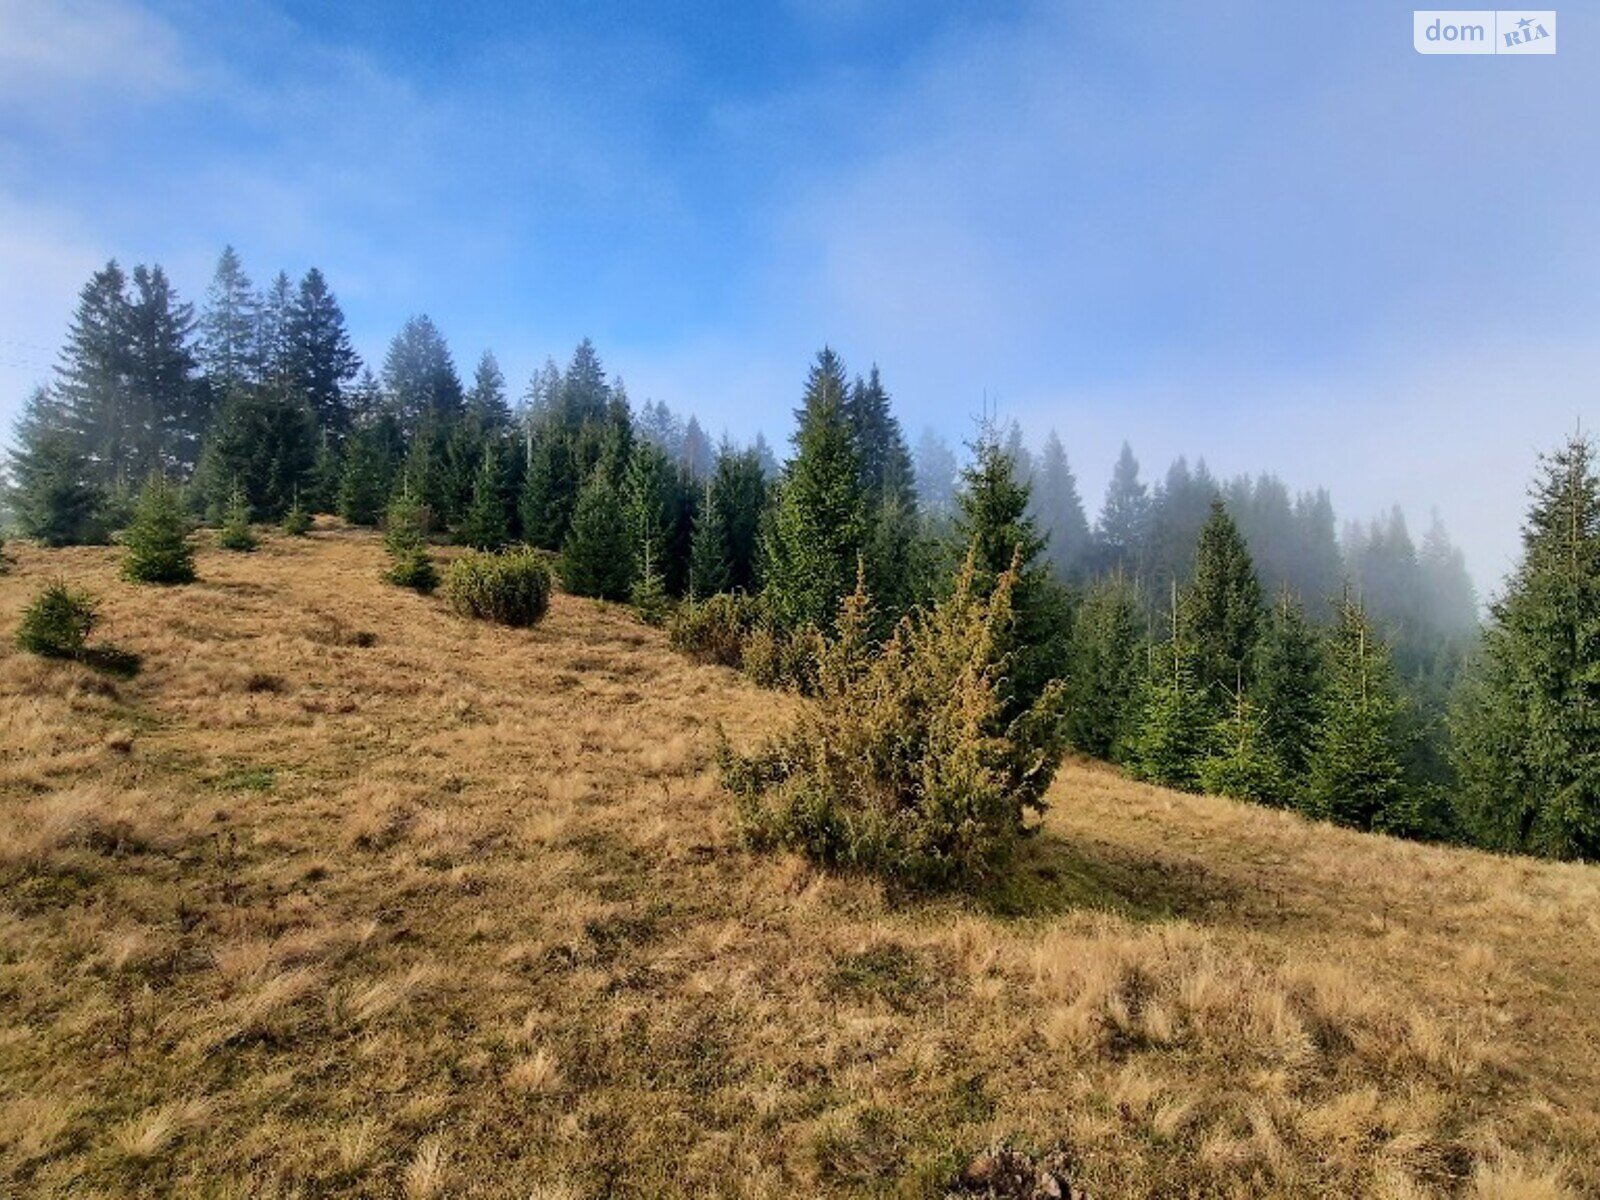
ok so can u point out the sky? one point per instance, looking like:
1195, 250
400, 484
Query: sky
1271, 236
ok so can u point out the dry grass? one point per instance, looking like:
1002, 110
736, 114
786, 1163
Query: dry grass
344, 896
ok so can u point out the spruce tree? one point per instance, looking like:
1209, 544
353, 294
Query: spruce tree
597, 557
157, 548
485, 526
405, 538
364, 479
486, 401
235, 533
274, 345
819, 527
1222, 607
549, 489
93, 385
649, 592
1288, 672
1356, 777
263, 442
886, 471
739, 491
1526, 720
297, 521
420, 376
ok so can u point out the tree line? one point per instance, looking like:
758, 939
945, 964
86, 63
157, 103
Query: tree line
1209, 633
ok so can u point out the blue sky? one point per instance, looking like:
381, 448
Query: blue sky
1270, 235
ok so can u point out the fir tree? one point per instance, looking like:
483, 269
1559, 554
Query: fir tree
1124, 516
1222, 607
1173, 732
1059, 509
263, 443
405, 538
274, 346
157, 548
421, 376
1244, 762
819, 527
886, 471
1105, 667
649, 592
171, 410
995, 524
297, 521
1288, 671
1356, 776
485, 526
229, 350
51, 490
93, 386
710, 568
1526, 721
321, 359
597, 558
585, 395
549, 489
235, 533
486, 401
364, 481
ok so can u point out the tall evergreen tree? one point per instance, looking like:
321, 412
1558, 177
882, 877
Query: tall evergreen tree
1124, 516
229, 350
1356, 774
486, 401
1173, 731
739, 491
995, 524
51, 489
274, 345
585, 395
172, 412
549, 489
1222, 607
597, 557
262, 445
485, 526
1059, 509
321, 360
710, 568
696, 454
366, 478
819, 528
1105, 668
886, 470
420, 375
93, 384
936, 473
1288, 674
1526, 722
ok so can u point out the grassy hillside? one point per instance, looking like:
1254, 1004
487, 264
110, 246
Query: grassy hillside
342, 895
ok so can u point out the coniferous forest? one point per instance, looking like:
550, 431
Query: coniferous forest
1224, 635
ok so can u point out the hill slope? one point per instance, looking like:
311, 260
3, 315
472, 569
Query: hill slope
342, 895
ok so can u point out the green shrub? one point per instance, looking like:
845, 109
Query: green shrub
776, 658
413, 569
511, 587
715, 629
906, 764
157, 543
58, 622
235, 533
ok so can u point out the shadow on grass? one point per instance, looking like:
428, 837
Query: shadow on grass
1051, 875
108, 660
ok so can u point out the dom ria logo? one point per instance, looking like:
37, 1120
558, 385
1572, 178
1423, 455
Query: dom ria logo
1484, 31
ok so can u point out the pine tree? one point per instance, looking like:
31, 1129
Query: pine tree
819, 528
1356, 776
1105, 667
1124, 517
235, 533
1288, 672
485, 526
1222, 607
157, 545
597, 557
51, 490
1059, 509
229, 351
321, 360
1526, 721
